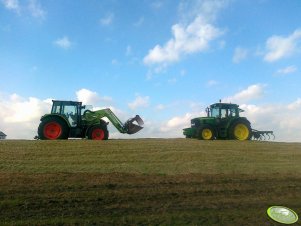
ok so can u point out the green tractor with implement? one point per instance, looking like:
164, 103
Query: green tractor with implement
223, 121
71, 119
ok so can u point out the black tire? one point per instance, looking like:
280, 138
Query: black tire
206, 132
98, 132
53, 128
240, 130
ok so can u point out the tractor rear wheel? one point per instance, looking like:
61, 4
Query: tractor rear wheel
240, 130
206, 133
98, 132
53, 128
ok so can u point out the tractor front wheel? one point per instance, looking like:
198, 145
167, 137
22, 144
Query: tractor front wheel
53, 128
97, 132
206, 133
240, 130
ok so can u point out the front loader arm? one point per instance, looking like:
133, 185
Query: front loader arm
93, 117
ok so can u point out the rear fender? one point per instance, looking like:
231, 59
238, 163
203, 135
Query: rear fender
56, 115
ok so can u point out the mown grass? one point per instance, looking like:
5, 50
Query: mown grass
147, 182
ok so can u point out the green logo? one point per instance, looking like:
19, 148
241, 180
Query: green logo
282, 214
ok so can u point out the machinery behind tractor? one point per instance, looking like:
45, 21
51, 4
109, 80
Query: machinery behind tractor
72, 119
224, 122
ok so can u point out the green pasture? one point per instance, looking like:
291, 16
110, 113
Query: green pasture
147, 182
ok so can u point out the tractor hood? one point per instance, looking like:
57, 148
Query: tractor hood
195, 122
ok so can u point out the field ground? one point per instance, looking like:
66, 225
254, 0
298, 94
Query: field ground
147, 182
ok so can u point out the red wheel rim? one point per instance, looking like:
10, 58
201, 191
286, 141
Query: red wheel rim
52, 130
98, 134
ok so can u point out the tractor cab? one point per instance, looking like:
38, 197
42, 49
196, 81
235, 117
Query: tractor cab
71, 110
223, 110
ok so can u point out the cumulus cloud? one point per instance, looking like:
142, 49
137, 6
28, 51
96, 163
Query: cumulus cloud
295, 105
36, 10
140, 101
177, 122
32, 7
19, 117
188, 38
63, 43
12, 5
287, 70
283, 119
90, 97
279, 47
250, 93
239, 54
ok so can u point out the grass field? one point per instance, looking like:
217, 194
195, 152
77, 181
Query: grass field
147, 182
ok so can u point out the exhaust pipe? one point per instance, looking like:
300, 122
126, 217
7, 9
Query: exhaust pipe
133, 125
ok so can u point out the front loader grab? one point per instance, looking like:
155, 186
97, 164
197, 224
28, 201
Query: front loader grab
131, 126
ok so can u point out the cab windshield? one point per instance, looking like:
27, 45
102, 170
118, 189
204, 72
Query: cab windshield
214, 112
218, 112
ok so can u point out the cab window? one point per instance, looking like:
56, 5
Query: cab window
70, 111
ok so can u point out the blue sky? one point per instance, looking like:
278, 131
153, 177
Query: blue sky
164, 59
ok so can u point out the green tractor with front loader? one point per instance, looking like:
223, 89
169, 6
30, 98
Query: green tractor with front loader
71, 119
223, 121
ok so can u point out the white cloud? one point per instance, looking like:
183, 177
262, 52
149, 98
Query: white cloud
63, 42
32, 7
287, 70
12, 5
107, 20
36, 9
250, 93
140, 101
239, 54
89, 97
207, 9
279, 47
295, 105
188, 38
283, 119
177, 123
20, 117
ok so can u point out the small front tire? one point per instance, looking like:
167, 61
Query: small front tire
97, 132
206, 133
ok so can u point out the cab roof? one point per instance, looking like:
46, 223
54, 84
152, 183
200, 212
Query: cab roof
67, 102
226, 106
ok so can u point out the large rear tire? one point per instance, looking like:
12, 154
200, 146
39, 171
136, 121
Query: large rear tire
53, 128
98, 132
240, 130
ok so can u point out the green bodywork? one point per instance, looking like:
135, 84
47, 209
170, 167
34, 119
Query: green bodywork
92, 117
220, 117
79, 119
